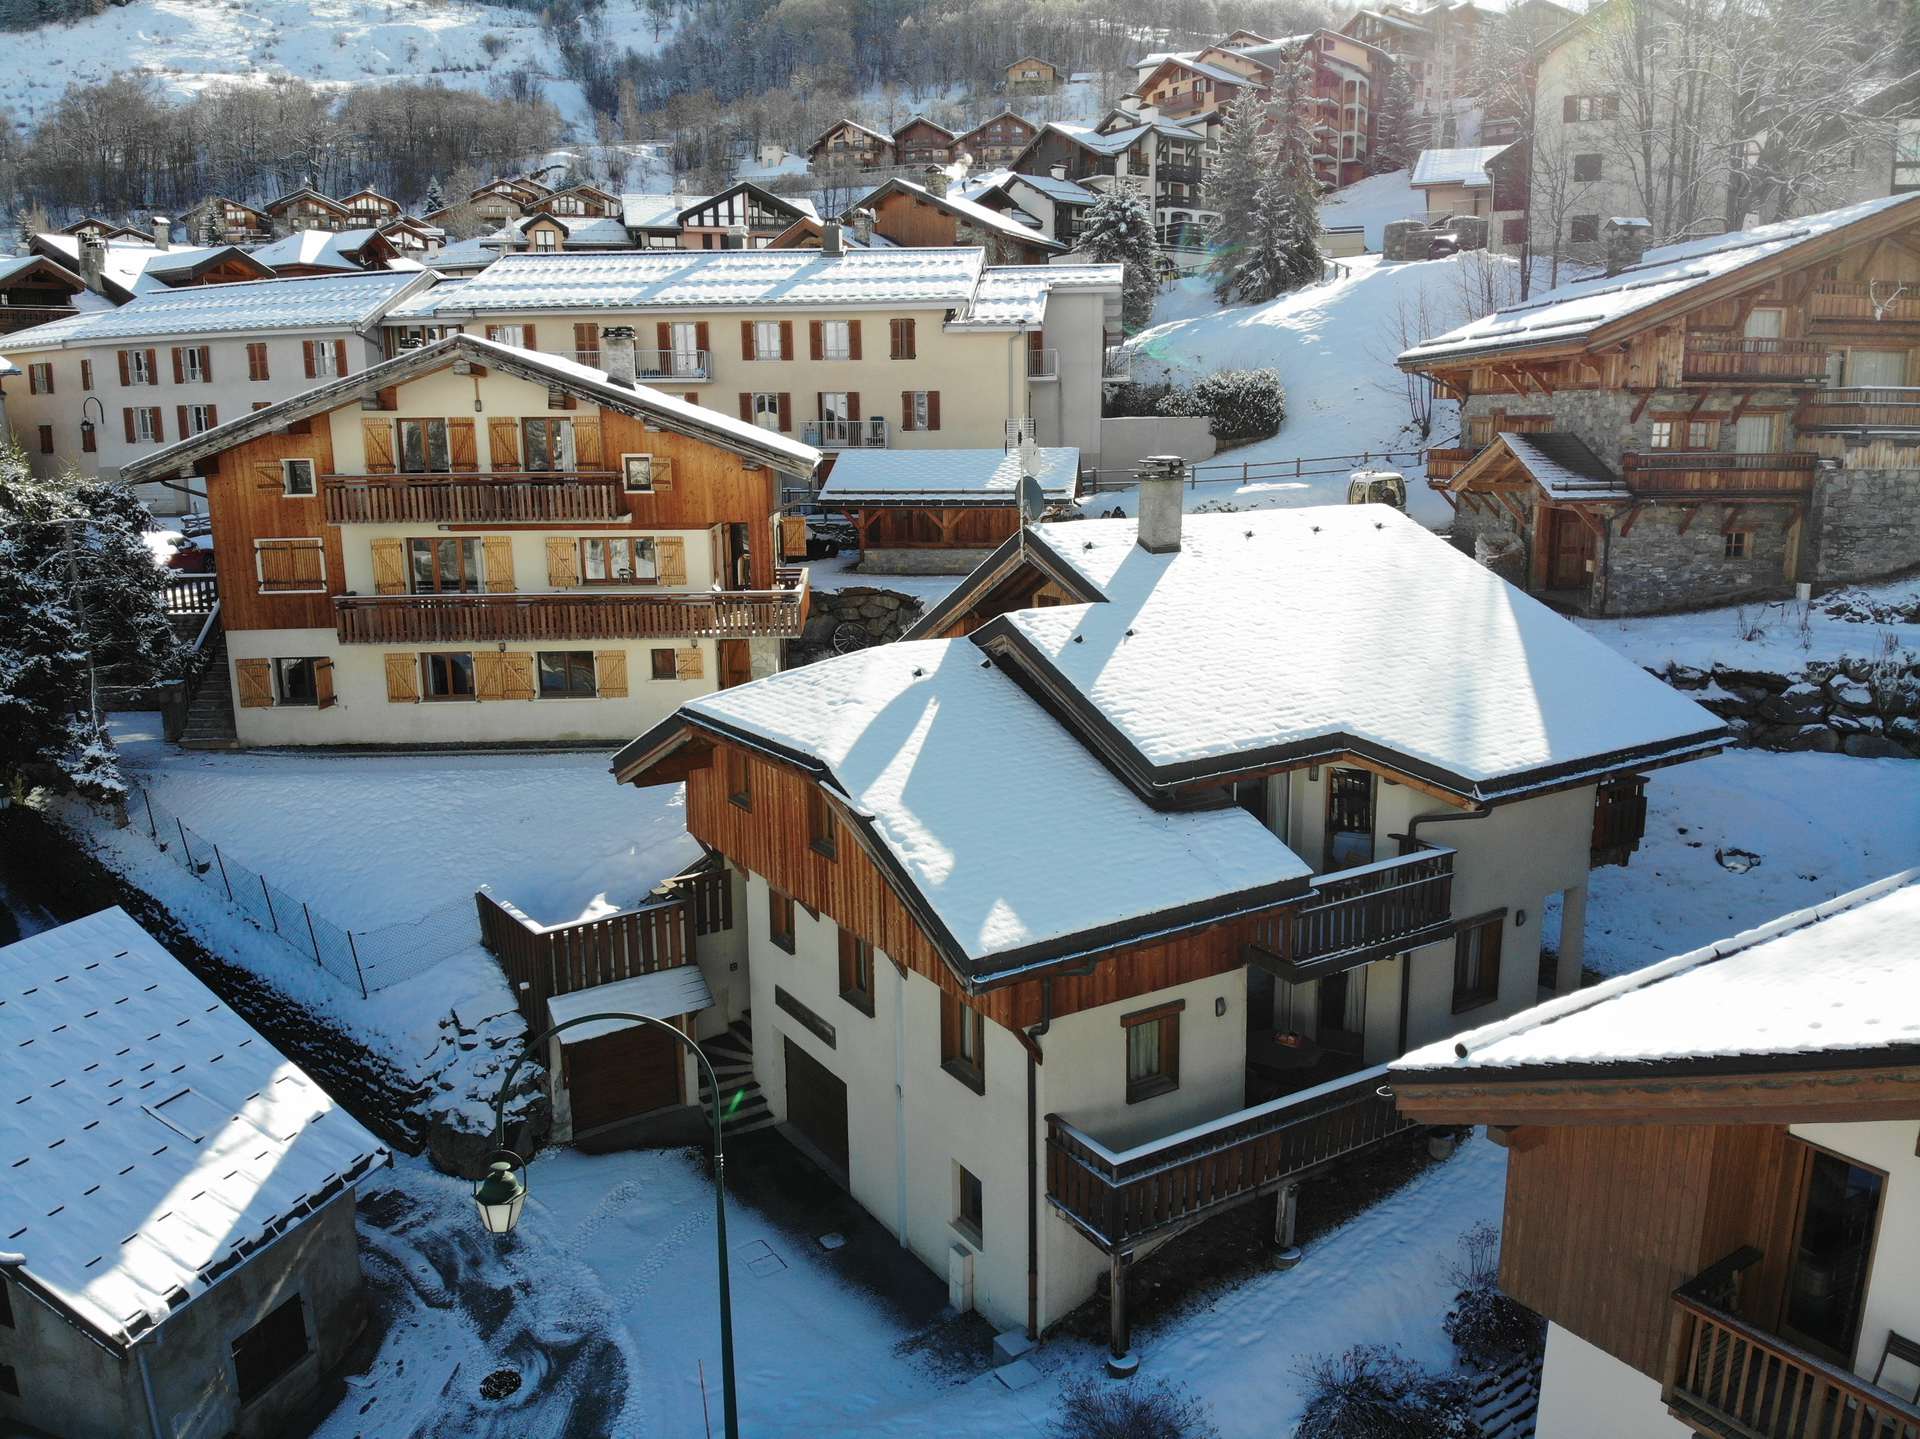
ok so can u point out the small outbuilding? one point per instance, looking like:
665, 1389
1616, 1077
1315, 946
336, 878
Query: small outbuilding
941, 512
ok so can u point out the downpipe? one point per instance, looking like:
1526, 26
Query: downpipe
1441, 816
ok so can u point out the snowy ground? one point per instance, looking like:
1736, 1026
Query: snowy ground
1373, 203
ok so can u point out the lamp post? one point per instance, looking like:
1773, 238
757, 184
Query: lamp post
501, 1195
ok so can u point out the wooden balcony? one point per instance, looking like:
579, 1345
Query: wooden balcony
503, 498
1855, 408
1683, 474
1853, 302
1116, 1197
1446, 461
1740, 359
1359, 915
1619, 820
425, 620
1730, 1377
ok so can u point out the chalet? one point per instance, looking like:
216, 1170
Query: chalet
1712, 1188
848, 145
942, 511
228, 222
1030, 75
120, 270
853, 233
326, 252
1154, 158
997, 139
1460, 181
1302, 870
496, 202
930, 214
307, 209
478, 543
1436, 41
35, 290
817, 345
743, 216
370, 209
1713, 419
109, 386
1053, 204
93, 227
1177, 88
920, 142
578, 202
547, 233
179, 1202
413, 239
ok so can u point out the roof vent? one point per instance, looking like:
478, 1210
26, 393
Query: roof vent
1161, 481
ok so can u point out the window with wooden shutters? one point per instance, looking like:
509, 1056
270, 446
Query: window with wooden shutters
291, 566
662, 665
563, 563
670, 556
424, 446
443, 565
463, 448
963, 1043
771, 340
323, 697
253, 683
389, 567
40, 378
1153, 1050
376, 438
296, 682
497, 563
739, 777
856, 972
549, 445
610, 673
618, 560
503, 443
257, 361
689, 664
403, 682
449, 676
1476, 962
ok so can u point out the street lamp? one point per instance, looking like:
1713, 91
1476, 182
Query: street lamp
503, 1193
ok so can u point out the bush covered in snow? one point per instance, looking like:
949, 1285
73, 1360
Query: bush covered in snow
1373, 1392
1098, 1408
1241, 404
1484, 1325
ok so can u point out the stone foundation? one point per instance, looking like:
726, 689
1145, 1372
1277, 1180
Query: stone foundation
1864, 524
878, 615
1658, 568
1865, 708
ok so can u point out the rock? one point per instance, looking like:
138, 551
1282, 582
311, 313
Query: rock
1772, 736
1758, 679
1815, 738
1751, 696
1845, 724
1797, 705
1904, 730
1850, 694
1874, 746
819, 629
1686, 677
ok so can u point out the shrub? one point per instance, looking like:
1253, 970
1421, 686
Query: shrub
1484, 1325
1373, 1392
1137, 399
1241, 404
1099, 1408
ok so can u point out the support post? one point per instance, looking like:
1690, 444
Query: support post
312, 938
223, 873
1121, 1360
153, 830
267, 895
359, 974
1286, 1217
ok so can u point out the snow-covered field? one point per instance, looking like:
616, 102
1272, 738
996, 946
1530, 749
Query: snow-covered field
1372, 203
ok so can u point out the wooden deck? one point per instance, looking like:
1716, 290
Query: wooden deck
1738, 358
1446, 461
506, 498
1359, 915
1852, 302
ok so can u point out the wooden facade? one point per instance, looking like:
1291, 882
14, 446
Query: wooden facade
901, 527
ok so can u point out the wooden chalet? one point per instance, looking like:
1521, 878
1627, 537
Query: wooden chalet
92, 226
307, 209
920, 142
929, 214
1030, 75
496, 202
716, 222
34, 290
577, 201
326, 252
229, 222
370, 207
1710, 420
941, 511
849, 145
997, 140
1712, 1181
1180, 88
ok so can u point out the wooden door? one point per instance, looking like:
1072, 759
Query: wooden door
616, 1076
817, 1105
736, 663
1569, 547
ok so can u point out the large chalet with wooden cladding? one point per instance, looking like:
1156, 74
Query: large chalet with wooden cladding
1714, 419
1097, 903
475, 543
1713, 1191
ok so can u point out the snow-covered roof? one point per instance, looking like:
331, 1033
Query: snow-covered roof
1201, 67
11, 265
1466, 165
653, 209
956, 476
481, 250
151, 1136
1572, 312
886, 140
918, 119
139, 266
327, 249
663, 994
319, 302
1287, 632
1836, 980
1066, 192
1017, 294
1565, 467
600, 232
975, 793
996, 221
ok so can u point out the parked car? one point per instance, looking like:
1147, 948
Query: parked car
192, 555
1377, 487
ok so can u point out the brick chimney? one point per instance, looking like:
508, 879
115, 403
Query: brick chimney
830, 247
162, 232
1162, 480
1626, 242
863, 226
616, 354
937, 183
93, 261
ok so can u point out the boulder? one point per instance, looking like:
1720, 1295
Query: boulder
1874, 746
1686, 677
1758, 679
1772, 736
1846, 724
1815, 738
1904, 730
1850, 694
1797, 705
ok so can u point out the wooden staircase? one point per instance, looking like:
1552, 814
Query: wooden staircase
744, 1107
210, 723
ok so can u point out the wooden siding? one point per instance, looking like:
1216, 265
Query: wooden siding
710, 486
246, 505
971, 527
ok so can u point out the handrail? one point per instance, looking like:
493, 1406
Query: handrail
477, 497
520, 615
1378, 908
1718, 460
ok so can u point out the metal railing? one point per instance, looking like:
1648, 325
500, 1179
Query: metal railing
505, 497
868, 434
658, 364
190, 594
1043, 364
1247, 472
1361, 914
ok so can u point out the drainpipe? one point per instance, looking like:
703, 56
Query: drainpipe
900, 1108
1031, 1039
1442, 816
146, 1388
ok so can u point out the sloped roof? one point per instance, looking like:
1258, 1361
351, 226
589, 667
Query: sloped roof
325, 249
1017, 294
1560, 464
993, 221
886, 140
599, 232
1064, 192
151, 1136
958, 476
139, 267
1466, 165
12, 265
923, 120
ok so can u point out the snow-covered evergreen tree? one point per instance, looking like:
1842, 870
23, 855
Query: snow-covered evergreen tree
1118, 229
1393, 147
434, 200
1233, 185
1267, 238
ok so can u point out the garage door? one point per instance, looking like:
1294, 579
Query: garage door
817, 1105
619, 1075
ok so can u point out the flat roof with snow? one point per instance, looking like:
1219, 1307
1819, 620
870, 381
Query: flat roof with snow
1462, 166
151, 1137
967, 477
664, 994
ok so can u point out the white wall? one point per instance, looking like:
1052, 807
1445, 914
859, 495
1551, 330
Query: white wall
1585, 1393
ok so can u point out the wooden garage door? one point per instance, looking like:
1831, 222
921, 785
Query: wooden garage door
619, 1075
817, 1104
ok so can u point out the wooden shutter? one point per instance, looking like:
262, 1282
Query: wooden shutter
746, 407
489, 675
463, 450
786, 339
663, 341
377, 438
933, 409
689, 664
746, 341
587, 451
159, 417
86, 374
153, 367
816, 347
700, 339
127, 415
254, 680
671, 555
126, 371
793, 537
403, 679
906, 410
339, 357
586, 344
389, 567
180, 417
853, 405
206, 364
662, 473
268, 476
213, 416
529, 338
563, 562
306, 356
610, 674
516, 676
853, 339
496, 553
786, 412
503, 443
323, 683
179, 367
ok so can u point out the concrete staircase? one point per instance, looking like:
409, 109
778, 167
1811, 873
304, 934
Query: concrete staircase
210, 722
731, 1055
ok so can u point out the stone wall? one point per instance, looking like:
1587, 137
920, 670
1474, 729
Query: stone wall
921, 560
1865, 523
1656, 567
877, 617
1866, 708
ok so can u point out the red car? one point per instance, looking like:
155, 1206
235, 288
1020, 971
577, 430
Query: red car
192, 555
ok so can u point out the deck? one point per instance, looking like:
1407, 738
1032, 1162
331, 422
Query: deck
1706, 474
504, 498
1861, 408
1741, 359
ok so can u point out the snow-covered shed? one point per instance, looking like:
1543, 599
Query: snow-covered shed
940, 511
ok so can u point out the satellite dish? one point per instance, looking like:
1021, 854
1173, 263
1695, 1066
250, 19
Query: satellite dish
1033, 499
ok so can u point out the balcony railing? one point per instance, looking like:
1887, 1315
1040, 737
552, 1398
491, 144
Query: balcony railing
1619, 819
1116, 363
1868, 301
1360, 915
1686, 472
657, 365
1728, 1376
1043, 364
500, 498
1186, 104
1446, 461
869, 434
1117, 1196
1180, 174
1739, 357
470, 619
1856, 408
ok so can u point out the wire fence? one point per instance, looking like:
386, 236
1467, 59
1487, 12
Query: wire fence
364, 960
1247, 472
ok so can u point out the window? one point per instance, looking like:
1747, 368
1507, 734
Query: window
1583, 229
549, 444
269, 1350
665, 666
295, 566
9, 1381
193, 365
1349, 818
834, 406
508, 334
780, 919
296, 477
296, 682
900, 334
919, 409
423, 447
545, 240
327, 363
968, 1206
822, 828
443, 566
963, 1043
257, 361
1753, 434
1736, 544
1476, 963
766, 411
136, 367
40, 378
1578, 108
767, 341
1153, 1050
197, 419
46, 439
618, 561
739, 774
1683, 434
143, 425
1906, 155
447, 676
637, 471
566, 674
836, 340
1586, 167
856, 972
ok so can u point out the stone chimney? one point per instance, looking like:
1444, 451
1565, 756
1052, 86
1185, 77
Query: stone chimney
93, 261
937, 183
616, 354
830, 247
863, 226
162, 232
1162, 481
1058, 170
1130, 104
1626, 242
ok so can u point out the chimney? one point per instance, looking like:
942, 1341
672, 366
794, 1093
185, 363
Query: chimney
93, 261
162, 232
1130, 104
1161, 481
616, 354
863, 226
937, 183
1058, 170
736, 237
830, 240
1626, 242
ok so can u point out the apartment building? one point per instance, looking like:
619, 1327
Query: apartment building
476, 543
105, 388
1162, 162
1713, 1194
1437, 41
887, 347
1307, 863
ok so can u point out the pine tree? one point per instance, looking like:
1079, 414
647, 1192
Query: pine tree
1118, 229
1232, 187
1393, 123
434, 199
1267, 237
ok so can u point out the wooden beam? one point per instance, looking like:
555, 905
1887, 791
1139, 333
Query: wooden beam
1590, 519
1626, 525
1512, 506
1540, 380
1639, 404
1746, 398
1726, 525
1686, 517
1757, 1098
1698, 400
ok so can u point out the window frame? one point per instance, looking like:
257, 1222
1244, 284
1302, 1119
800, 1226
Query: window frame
856, 972
281, 666
288, 468
465, 545
829, 350
552, 428
572, 663
822, 828
765, 405
767, 343
200, 419
1577, 224
636, 474
1486, 988
963, 1028
1164, 1078
1596, 167
780, 921
612, 547
264, 544
428, 659
737, 775
969, 1194
1737, 546
427, 426
250, 1389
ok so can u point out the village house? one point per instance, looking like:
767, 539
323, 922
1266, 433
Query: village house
118, 270
849, 145
1436, 40
107, 387
93, 227
326, 252
744, 216
920, 143
477, 543
1304, 867
1713, 1194
1711, 420
997, 140
1462, 181
179, 1206
582, 201
220, 220
35, 290
307, 209
494, 203
413, 239
370, 209
883, 348
1030, 75
1053, 204
930, 213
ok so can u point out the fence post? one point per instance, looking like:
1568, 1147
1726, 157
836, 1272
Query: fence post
153, 830
312, 939
354, 950
223, 873
267, 895
185, 848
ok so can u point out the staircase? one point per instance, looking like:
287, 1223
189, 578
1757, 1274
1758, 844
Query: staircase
731, 1055
210, 722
